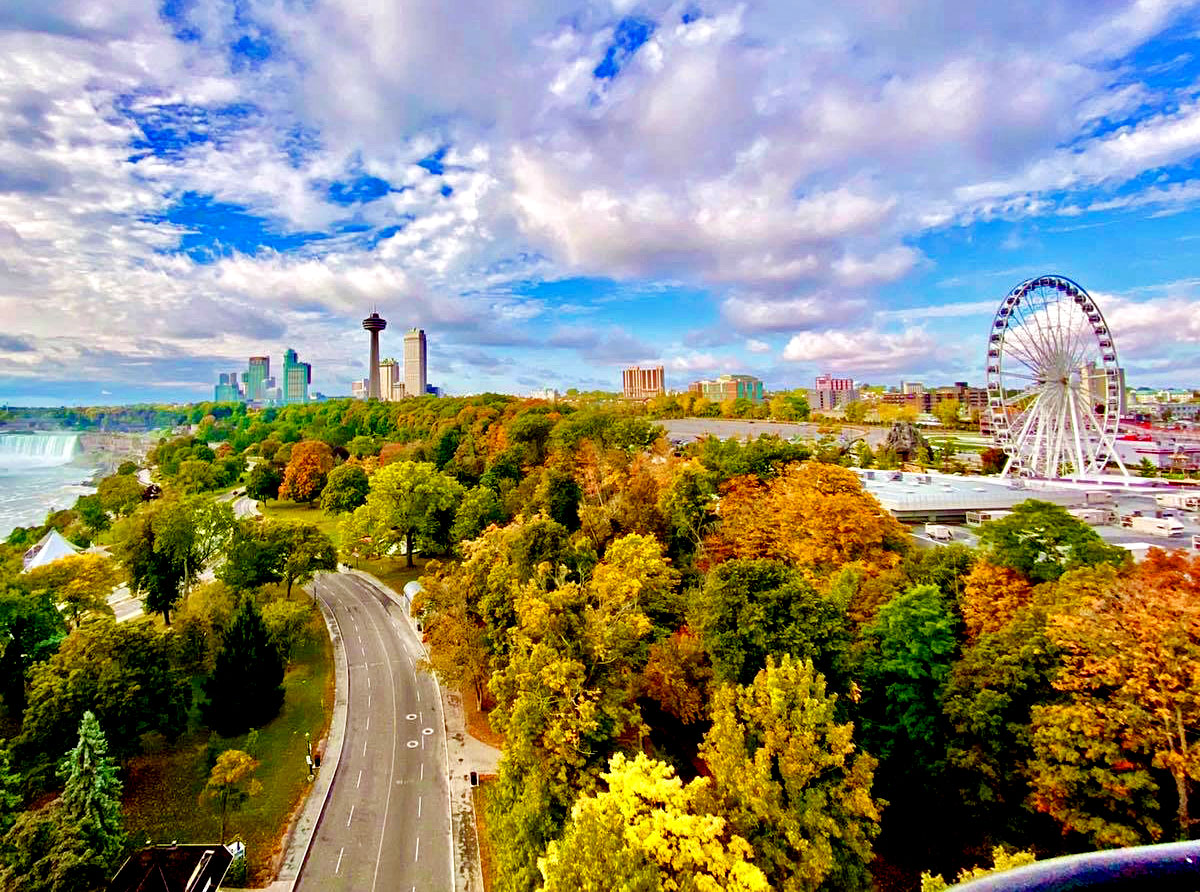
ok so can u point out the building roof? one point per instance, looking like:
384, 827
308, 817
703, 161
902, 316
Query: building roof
173, 868
48, 549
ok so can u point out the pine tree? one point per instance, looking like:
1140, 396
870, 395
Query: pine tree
246, 687
92, 795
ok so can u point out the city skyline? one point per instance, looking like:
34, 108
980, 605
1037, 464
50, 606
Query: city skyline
775, 190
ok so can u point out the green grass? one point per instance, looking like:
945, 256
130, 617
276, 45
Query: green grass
163, 786
293, 512
392, 572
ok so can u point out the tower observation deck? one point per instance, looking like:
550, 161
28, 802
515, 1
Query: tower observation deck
374, 324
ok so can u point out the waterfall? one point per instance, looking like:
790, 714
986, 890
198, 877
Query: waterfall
37, 450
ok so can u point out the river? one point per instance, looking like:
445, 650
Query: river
40, 472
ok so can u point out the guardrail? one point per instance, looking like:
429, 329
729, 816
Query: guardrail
1161, 868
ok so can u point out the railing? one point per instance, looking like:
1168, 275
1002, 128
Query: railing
1162, 868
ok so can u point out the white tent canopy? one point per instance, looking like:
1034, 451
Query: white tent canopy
49, 548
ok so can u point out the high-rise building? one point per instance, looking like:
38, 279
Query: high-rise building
415, 379
255, 378
729, 387
643, 384
227, 390
391, 387
359, 388
828, 382
296, 378
374, 324
1093, 386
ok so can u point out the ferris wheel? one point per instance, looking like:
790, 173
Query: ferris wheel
1054, 387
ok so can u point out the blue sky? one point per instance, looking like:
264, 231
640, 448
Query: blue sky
555, 189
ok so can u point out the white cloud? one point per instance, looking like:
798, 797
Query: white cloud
863, 350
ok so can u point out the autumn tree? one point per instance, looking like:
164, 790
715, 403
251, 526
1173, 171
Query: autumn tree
678, 676
79, 584
1041, 541
991, 597
1129, 656
306, 472
231, 784
406, 503
457, 638
788, 778
119, 493
647, 830
813, 515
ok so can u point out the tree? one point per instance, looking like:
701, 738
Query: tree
10, 792
687, 504
648, 831
855, 411
1002, 860
92, 513
230, 784
264, 481
306, 551
122, 672
246, 687
156, 573
992, 460
457, 637
255, 556
478, 509
92, 793
346, 490
678, 676
558, 495
946, 412
750, 610
1129, 658
1042, 541
287, 623
405, 500
120, 493
79, 584
306, 472
991, 597
788, 779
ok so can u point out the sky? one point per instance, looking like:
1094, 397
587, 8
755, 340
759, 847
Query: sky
553, 190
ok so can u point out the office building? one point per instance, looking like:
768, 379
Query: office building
828, 382
729, 387
296, 378
415, 380
643, 384
227, 390
256, 376
831, 393
1093, 386
374, 324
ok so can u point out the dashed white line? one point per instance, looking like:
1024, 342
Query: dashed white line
359, 781
368, 728
422, 771
368, 701
351, 818
417, 853
418, 806
368, 681
364, 747
339, 864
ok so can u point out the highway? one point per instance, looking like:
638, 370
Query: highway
386, 824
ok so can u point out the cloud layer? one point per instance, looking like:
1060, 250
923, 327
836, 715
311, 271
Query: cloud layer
554, 188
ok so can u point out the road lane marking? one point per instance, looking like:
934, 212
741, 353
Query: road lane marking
417, 853
351, 818
368, 701
368, 728
422, 771
418, 806
364, 747
368, 681
359, 781
339, 864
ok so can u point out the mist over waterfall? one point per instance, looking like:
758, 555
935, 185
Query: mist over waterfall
37, 450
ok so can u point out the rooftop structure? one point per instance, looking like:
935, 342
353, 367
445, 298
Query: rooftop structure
173, 868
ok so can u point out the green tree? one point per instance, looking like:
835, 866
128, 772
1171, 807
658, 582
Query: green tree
306, 551
120, 493
946, 412
558, 495
156, 572
345, 490
91, 796
750, 610
287, 623
10, 792
406, 499
255, 557
855, 411
1042, 541
246, 687
92, 513
479, 508
264, 481
231, 784
122, 672
647, 831
31, 627
787, 777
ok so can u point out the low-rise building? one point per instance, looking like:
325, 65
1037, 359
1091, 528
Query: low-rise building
729, 387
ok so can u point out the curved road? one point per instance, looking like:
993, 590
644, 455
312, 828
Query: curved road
387, 821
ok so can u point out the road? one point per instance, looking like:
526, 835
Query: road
387, 821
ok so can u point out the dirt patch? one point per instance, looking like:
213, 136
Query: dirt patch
477, 719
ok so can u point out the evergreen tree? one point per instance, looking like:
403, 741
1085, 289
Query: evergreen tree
91, 798
246, 687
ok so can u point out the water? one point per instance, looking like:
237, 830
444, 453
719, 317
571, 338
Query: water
39, 473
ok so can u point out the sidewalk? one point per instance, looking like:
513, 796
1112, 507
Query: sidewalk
464, 755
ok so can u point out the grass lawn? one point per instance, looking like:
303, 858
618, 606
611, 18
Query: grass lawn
392, 572
486, 857
163, 786
294, 512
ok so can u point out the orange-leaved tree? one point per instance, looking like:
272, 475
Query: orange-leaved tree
991, 597
813, 515
306, 472
1131, 669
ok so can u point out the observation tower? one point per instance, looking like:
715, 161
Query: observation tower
374, 324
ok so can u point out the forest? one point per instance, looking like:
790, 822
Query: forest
713, 666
